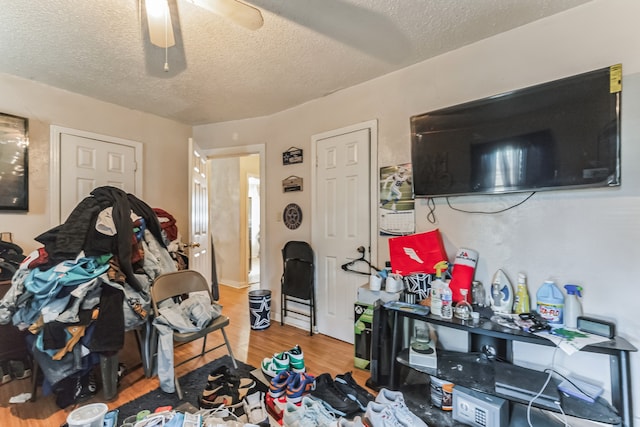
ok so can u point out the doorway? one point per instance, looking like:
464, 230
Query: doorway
253, 224
236, 213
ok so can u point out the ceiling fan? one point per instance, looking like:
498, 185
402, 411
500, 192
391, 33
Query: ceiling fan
159, 17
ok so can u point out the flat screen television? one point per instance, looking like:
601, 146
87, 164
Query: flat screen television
556, 135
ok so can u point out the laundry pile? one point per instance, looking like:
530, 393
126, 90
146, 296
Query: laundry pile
86, 286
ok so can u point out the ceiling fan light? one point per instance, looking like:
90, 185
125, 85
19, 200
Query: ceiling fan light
159, 21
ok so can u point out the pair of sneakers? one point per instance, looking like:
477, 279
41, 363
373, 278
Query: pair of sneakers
390, 410
328, 392
354, 391
310, 413
292, 385
224, 387
290, 360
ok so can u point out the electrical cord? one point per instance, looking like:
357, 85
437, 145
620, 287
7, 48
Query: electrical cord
544, 386
487, 212
431, 215
431, 206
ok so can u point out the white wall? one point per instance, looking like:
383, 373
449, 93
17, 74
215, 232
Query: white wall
585, 236
165, 182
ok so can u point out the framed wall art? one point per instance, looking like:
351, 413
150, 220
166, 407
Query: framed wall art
292, 156
14, 170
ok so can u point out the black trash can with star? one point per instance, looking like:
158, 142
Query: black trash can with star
260, 309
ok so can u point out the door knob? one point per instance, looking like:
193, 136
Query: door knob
194, 245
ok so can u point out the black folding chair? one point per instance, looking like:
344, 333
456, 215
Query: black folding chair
298, 281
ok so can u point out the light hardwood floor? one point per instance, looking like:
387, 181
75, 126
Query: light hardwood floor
322, 354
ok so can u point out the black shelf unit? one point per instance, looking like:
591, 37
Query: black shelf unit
617, 349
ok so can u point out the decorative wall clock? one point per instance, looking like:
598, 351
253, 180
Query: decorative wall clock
292, 216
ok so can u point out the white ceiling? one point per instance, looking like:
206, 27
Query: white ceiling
219, 71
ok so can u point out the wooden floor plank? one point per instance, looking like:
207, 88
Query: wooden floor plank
322, 354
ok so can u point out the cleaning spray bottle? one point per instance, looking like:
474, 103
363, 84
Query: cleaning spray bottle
521, 305
572, 305
436, 288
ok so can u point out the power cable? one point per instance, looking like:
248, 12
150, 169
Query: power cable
542, 390
492, 212
431, 206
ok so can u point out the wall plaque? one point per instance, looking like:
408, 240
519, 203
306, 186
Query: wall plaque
292, 156
292, 183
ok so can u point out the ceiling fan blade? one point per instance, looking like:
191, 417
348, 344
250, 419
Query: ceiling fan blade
159, 21
239, 12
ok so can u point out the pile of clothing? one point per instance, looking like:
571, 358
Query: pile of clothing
87, 285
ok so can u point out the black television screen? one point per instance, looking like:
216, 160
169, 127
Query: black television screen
556, 135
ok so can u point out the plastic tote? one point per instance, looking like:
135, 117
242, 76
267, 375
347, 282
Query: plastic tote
260, 309
88, 416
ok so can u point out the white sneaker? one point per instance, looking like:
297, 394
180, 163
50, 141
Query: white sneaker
381, 415
321, 416
395, 399
294, 416
342, 422
254, 408
272, 366
310, 413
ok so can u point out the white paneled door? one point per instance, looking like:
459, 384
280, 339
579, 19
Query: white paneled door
199, 251
342, 223
87, 163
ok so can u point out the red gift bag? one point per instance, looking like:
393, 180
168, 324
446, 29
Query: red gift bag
416, 253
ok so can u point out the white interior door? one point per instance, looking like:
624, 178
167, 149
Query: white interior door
199, 253
87, 163
342, 223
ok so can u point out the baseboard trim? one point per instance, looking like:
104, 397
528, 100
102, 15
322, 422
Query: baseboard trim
233, 283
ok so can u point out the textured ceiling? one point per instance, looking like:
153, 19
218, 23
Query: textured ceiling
219, 71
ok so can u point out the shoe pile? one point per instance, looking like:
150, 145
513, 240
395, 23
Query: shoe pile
289, 381
225, 388
389, 410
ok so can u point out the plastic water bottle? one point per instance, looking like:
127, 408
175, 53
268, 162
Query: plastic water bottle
436, 288
551, 303
572, 307
446, 295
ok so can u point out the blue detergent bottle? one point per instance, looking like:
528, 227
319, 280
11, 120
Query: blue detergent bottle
550, 303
